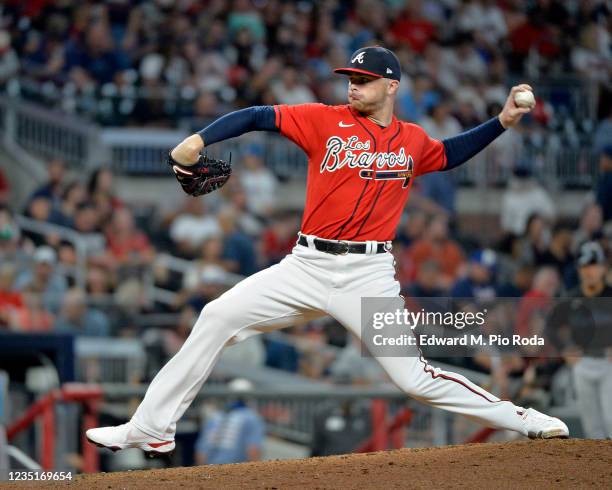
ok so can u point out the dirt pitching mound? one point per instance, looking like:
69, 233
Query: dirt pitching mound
527, 464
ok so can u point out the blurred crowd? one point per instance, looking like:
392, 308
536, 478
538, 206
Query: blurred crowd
158, 62
152, 62
99, 282
104, 283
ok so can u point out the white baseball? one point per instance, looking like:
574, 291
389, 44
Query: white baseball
525, 98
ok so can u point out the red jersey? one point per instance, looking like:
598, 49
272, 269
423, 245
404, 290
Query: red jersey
359, 174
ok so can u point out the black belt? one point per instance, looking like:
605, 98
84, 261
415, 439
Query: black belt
338, 247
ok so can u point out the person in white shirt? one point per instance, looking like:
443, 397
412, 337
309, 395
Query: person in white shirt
290, 90
259, 183
192, 226
523, 198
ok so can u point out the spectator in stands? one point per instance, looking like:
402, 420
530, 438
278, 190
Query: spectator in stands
469, 107
413, 227
537, 300
520, 283
441, 124
87, 224
207, 278
127, 246
426, 284
413, 28
238, 250
559, 254
86, 219
211, 259
464, 61
33, 316
191, 226
43, 58
280, 236
205, 110
259, 184
590, 228
52, 189
77, 318
99, 284
524, 198
484, 18
604, 186
290, 90
40, 209
67, 263
43, 279
417, 101
150, 111
101, 191
591, 58
73, 196
231, 60
234, 435
9, 298
9, 62
92, 57
532, 246
439, 247
480, 282
237, 197
593, 369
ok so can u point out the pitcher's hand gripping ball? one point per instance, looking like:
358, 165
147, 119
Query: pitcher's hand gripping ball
204, 176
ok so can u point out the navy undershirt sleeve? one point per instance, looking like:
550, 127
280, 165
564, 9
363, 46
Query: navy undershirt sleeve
459, 149
257, 118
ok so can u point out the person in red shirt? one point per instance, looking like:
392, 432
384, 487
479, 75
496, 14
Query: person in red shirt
537, 301
126, 244
362, 162
438, 247
9, 299
413, 29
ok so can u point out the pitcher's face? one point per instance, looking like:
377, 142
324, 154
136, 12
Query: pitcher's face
367, 94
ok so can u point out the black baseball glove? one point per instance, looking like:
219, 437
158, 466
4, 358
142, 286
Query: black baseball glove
204, 176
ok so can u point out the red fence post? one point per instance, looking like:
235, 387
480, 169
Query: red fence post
379, 425
91, 458
396, 429
87, 395
47, 446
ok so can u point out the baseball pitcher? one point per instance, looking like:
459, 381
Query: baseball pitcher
362, 162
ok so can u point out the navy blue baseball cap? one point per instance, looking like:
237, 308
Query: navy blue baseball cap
486, 258
375, 61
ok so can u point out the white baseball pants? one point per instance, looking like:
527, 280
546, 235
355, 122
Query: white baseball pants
305, 285
593, 382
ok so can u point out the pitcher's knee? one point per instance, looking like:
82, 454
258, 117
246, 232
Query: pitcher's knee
407, 384
216, 316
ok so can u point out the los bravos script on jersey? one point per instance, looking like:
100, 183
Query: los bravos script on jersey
354, 153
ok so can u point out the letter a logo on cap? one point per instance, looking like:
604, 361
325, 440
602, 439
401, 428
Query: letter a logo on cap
358, 58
